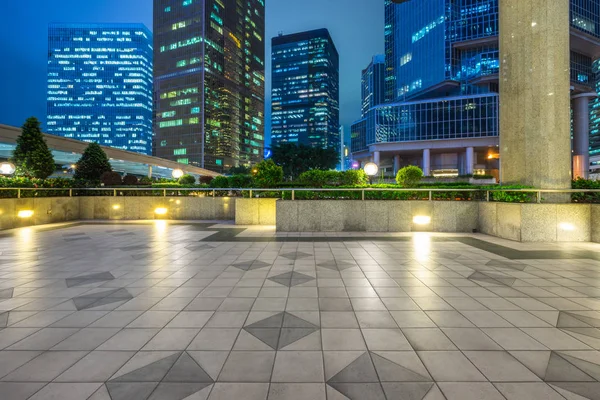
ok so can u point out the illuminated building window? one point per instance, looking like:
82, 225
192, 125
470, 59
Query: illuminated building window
179, 152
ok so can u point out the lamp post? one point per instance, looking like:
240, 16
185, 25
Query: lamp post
371, 169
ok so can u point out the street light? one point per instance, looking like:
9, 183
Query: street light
177, 173
7, 168
371, 169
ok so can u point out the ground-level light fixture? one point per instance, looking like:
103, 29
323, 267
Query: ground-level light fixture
371, 169
160, 211
7, 168
25, 214
116, 206
177, 173
565, 226
421, 219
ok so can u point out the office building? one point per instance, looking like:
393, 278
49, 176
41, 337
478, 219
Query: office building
100, 84
305, 90
442, 84
209, 82
373, 84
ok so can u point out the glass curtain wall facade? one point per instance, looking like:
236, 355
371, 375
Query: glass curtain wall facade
100, 84
209, 82
373, 84
305, 90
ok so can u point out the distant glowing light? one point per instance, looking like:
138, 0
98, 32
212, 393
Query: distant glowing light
25, 214
7, 168
177, 173
371, 169
116, 207
566, 226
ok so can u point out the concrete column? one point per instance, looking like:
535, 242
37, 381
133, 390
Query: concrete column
426, 162
581, 134
376, 157
469, 161
149, 171
535, 93
396, 163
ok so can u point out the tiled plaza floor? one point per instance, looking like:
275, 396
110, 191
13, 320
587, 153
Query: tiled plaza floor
198, 311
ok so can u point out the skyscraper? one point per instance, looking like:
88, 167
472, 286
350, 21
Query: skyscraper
209, 82
442, 84
100, 84
373, 84
305, 90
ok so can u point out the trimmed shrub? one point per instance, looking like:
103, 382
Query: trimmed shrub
220, 182
206, 180
92, 164
354, 177
145, 181
111, 178
187, 179
267, 174
317, 178
409, 176
130, 180
240, 181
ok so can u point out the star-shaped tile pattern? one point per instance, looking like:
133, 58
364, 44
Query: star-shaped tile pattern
6, 293
198, 247
492, 278
290, 279
281, 330
91, 300
250, 265
295, 255
175, 377
374, 376
81, 280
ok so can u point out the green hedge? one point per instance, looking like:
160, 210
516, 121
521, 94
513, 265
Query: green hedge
319, 179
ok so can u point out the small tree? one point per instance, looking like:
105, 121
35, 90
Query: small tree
267, 174
92, 164
409, 176
187, 179
32, 157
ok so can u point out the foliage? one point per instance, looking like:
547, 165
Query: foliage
187, 179
130, 180
31, 156
241, 170
206, 180
483, 177
317, 178
110, 178
586, 197
296, 159
267, 174
145, 181
240, 181
409, 176
220, 182
92, 164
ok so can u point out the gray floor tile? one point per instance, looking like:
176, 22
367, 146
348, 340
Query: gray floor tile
500, 366
129, 339
428, 339
450, 366
45, 367
66, 391
97, 366
19, 390
342, 339
386, 339
470, 339
527, 391
248, 366
298, 366
297, 391
247, 391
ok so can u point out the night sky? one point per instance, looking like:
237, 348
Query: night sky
355, 25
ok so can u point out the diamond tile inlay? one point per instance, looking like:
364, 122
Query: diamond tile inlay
281, 330
91, 300
250, 265
295, 255
87, 279
290, 279
6, 293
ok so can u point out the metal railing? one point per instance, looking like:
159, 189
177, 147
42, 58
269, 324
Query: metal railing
489, 195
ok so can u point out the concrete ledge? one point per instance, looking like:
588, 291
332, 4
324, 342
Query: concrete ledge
375, 216
45, 211
255, 211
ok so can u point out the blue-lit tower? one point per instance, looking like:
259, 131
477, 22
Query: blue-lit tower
100, 84
305, 90
373, 84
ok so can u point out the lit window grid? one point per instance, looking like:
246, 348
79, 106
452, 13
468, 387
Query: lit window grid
100, 84
595, 114
440, 119
581, 69
585, 16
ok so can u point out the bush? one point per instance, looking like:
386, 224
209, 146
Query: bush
318, 178
130, 180
145, 181
220, 182
240, 181
206, 180
267, 174
187, 179
92, 164
585, 197
31, 156
356, 177
111, 178
409, 176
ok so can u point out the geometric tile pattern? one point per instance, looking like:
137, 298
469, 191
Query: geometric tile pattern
103, 298
188, 311
290, 279
87, 279
281, 330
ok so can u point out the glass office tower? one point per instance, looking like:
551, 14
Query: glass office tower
209, 82
100, 84
305, 90
373, 84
